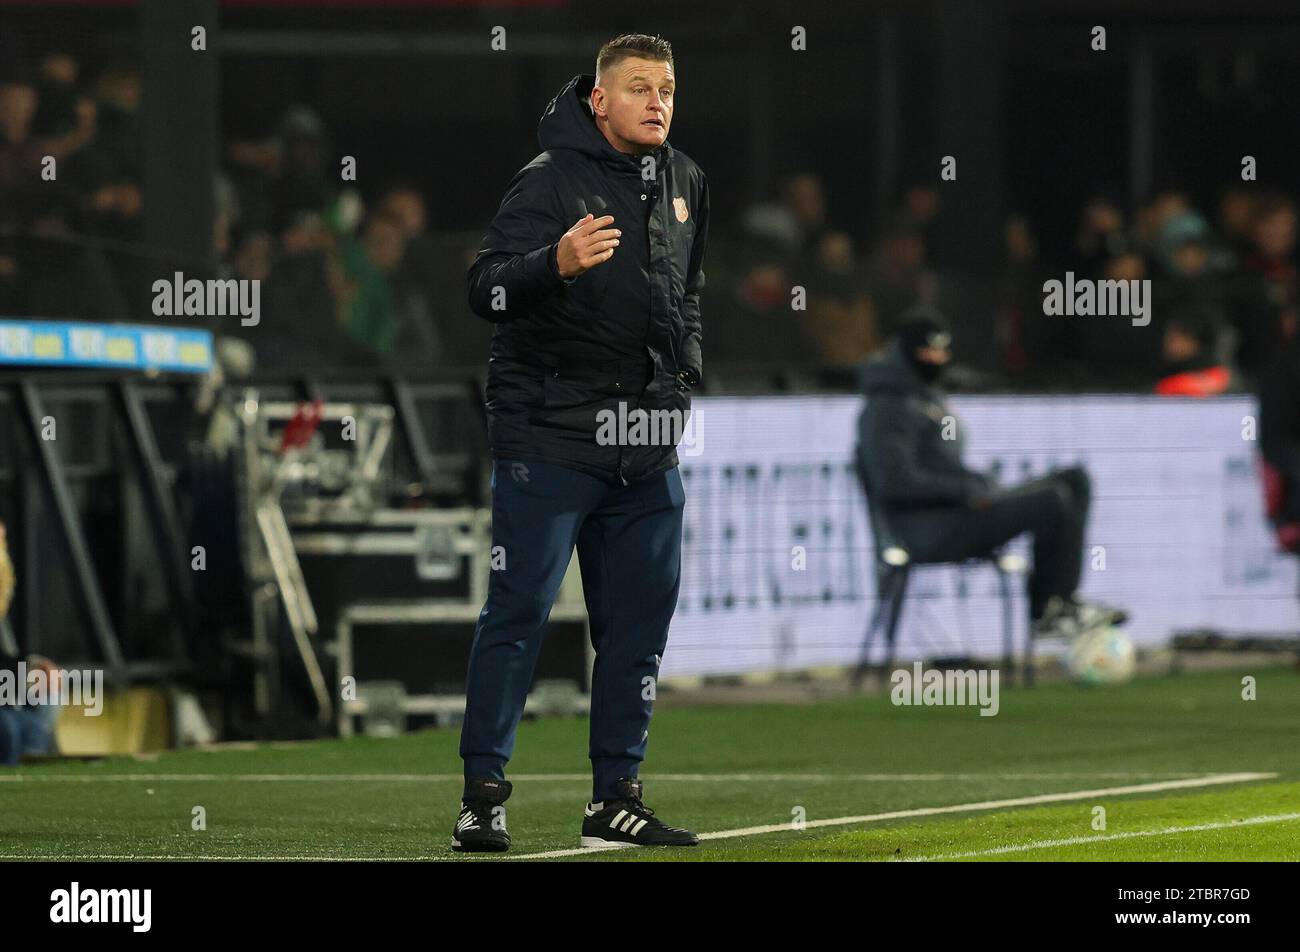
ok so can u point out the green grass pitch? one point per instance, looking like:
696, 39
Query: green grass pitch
729, 769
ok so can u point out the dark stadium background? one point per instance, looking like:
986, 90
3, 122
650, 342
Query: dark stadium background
1038, 121
1041, 125
273, 543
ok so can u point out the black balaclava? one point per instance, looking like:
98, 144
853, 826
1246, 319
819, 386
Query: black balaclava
923, 327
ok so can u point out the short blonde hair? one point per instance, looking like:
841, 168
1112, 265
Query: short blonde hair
631, 45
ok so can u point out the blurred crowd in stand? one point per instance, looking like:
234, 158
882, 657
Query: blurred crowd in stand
356, 276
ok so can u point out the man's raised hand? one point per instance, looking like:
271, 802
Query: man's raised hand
586, 245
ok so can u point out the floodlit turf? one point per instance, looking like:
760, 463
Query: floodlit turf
727, 768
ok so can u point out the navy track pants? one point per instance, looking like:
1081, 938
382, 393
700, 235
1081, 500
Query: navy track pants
629, 549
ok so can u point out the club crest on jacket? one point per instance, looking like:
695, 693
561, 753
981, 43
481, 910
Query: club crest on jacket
679, 205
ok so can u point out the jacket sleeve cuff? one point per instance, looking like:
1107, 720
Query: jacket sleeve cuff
553, 265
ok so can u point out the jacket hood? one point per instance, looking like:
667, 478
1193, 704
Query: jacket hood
890, 371
567, 123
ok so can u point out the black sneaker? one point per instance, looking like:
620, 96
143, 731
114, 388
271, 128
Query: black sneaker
628, 820
1095, 614
1068, 618
481, 826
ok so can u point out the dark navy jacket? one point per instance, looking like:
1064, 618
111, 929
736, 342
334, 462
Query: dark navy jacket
621, 332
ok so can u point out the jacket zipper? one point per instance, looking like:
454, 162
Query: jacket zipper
652, 193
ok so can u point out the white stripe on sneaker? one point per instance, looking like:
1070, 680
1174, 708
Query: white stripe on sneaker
614, 822
637, 829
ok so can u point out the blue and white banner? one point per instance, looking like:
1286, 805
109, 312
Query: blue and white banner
1177, 522
116, 346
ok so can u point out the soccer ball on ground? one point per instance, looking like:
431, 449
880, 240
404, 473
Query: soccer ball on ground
1103, 655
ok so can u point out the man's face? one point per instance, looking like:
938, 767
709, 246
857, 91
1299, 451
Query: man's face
633, 103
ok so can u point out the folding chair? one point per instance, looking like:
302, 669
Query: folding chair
894, 565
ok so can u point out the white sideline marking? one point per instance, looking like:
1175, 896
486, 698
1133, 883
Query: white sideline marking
749, 831
1103, 837
1207, 781
570, 778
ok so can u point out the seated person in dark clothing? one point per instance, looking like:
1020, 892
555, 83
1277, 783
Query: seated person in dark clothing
909, 455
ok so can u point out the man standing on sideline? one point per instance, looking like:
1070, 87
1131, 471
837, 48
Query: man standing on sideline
592, 273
